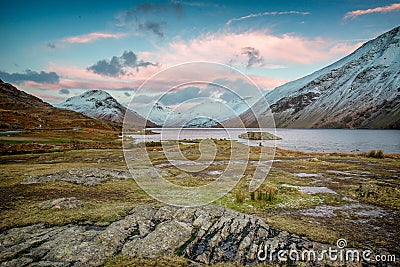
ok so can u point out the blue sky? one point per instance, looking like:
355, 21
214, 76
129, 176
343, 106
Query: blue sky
57, 49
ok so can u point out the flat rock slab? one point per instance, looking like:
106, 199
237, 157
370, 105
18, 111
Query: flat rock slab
207, 234
84, 176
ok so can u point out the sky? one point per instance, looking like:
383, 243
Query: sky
59, 49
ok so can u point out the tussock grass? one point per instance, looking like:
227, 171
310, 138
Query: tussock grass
375, 154
127, 261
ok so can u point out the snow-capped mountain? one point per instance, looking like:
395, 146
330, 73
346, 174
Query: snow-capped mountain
160, 113
205, 114
359, 91
101, 105
241, 105
201, 122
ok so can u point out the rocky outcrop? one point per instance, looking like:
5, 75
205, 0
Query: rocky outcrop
84, 176
259, 136
205, 235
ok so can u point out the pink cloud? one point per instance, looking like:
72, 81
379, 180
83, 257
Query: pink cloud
383, 9
72, 72
91, 37
267, 83
276, 50
344, 49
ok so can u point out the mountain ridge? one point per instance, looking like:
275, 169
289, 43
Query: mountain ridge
360, 90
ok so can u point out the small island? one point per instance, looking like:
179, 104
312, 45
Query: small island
259, 136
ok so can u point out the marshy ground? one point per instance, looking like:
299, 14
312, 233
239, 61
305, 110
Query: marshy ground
318, 195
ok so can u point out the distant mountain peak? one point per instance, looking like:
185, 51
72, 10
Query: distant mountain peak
99, 94
100, 104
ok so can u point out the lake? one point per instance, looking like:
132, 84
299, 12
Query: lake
309, 140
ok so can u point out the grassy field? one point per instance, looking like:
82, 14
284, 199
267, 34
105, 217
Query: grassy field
40, 141
355, 188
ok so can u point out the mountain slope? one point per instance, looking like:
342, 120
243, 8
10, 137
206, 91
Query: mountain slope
359, 91
20, 110
99, 104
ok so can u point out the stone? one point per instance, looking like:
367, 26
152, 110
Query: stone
367, 190
84, 176
165, 239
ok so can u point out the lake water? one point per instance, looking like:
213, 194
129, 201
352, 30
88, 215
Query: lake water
12, 131
309, 140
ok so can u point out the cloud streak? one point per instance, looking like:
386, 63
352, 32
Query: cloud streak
91, 37
270, 13
29, 75
383, 9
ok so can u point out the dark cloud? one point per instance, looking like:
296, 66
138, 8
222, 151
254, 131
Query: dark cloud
29, 75
155, 27
117, 65
145, 8
182, 95
51, 45
177, 7
127, 94
146, 17
129, 59
253, 55
108, 67
63, 91
155, 8
195, 4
